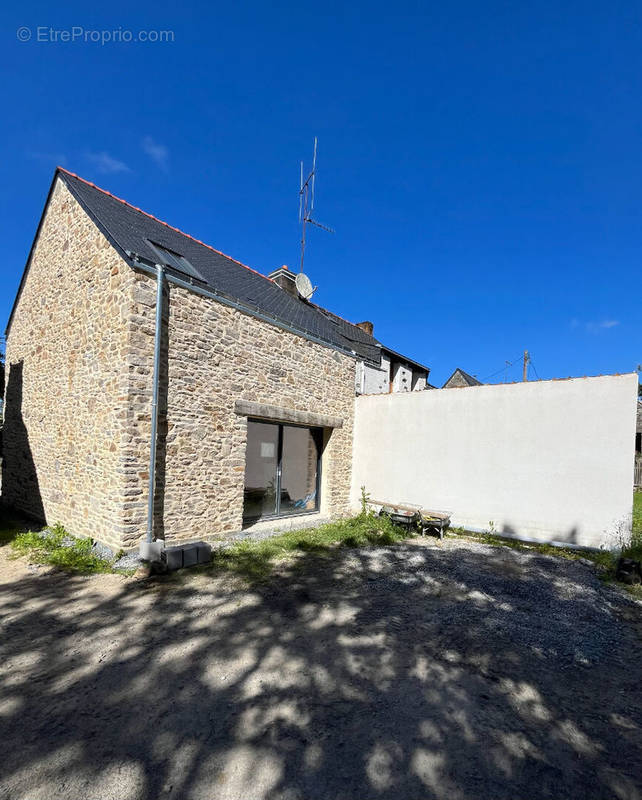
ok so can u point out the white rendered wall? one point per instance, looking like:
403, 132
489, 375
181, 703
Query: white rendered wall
402, 378
547, 460
375, 381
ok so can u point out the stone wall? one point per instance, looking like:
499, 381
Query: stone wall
212, 356
456, 380
67, 378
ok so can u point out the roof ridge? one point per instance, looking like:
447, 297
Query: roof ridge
162, 222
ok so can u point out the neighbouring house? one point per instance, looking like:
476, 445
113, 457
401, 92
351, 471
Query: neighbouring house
394, 373
256, 386
461, 378
390, 372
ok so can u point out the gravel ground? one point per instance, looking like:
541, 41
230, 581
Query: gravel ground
417, 671
128, 561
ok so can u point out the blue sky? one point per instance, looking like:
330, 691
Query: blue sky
480, 162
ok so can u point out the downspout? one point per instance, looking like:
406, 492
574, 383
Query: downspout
160, 280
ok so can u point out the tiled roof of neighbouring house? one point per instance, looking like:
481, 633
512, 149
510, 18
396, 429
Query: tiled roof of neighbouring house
131, 229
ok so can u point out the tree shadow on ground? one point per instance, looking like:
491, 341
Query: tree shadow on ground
401, 672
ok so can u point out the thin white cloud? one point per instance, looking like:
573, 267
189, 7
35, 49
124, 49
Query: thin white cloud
595, 327
158, 153
107, 164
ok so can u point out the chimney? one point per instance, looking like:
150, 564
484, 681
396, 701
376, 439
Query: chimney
366, 326
284, 278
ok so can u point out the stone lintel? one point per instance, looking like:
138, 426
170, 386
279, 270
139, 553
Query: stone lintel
247, 408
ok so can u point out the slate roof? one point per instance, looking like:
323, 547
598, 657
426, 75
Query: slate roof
131, 229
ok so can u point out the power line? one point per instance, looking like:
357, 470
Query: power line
506, 366
509, 364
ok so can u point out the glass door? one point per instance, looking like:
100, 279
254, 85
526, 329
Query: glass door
282, 470
299, 471
261, 466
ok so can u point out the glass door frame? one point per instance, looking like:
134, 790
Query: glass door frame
317, 435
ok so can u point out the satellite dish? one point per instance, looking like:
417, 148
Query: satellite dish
304, 286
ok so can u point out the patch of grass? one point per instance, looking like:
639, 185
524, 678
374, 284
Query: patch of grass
11, 524
635, 549
255, 560
602, 558
54, 546
606, 560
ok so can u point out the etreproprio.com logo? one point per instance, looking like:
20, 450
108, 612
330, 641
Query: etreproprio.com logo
78, 34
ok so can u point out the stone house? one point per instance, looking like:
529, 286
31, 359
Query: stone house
231, 400
460, 378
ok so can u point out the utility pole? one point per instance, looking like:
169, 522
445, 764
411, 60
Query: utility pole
525, 374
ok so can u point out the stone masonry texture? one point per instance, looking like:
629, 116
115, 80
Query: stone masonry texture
67, 378
457, 380
211, 356
78, 395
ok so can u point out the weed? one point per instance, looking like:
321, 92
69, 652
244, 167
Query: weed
365, 499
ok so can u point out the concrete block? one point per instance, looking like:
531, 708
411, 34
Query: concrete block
204, 552
152, 551
174, 557
190, 555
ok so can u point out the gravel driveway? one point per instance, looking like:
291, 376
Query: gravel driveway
418, 671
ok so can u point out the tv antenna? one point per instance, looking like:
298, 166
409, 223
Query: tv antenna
306, 203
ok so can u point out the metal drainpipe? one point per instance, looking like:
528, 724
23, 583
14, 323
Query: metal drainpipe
160, 280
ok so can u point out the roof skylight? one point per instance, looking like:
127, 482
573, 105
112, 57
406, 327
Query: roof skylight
176, 261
